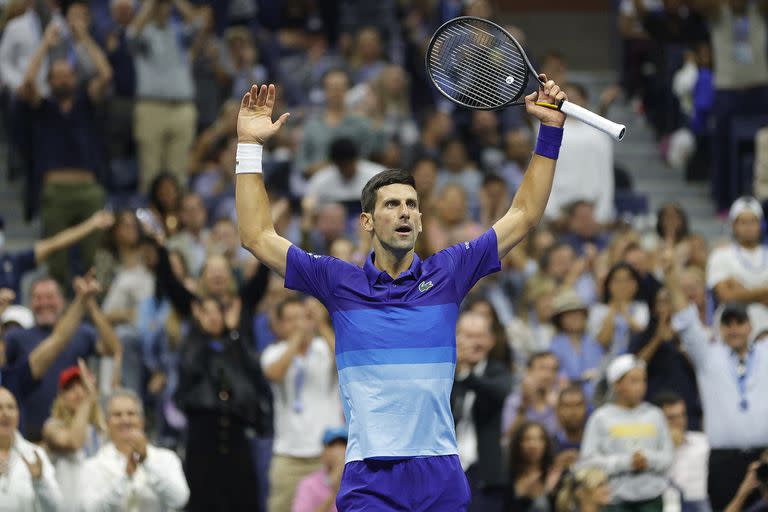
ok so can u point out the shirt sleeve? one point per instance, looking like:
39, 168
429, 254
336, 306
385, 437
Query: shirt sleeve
471, 261
24, 261
272, 353
166, 477
313, 274
592, 452
718, 268
17, 378
46, 487
695, 340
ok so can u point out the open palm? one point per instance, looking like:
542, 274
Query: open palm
254, 121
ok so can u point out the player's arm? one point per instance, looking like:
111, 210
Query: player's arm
532, 196
254, 216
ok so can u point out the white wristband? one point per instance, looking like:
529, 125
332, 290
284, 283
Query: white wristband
248, 159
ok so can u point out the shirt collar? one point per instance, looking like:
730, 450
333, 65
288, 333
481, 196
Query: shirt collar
375, 275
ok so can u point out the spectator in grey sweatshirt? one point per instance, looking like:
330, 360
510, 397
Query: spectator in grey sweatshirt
629, 439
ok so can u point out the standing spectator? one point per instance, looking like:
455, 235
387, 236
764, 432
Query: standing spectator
211, 70
585, 167
28, 477
579, 353
75, 430
192, 239
165, 116
732, 375
223, 394
459, 170
128, 473
518, 146
629, 440
317, 492
13, 265
333, 122
535, 399
479, 389
738, 272
740, 45
18, 44
367, 62
689, 467
571, 418
343, 180
621, 314
67, 158
164, 209
302, 371
667, 363
585, 490
452, 222
47, 305
533, 474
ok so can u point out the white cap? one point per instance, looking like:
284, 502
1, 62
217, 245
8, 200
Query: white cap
620, 366
18, 314
745, 204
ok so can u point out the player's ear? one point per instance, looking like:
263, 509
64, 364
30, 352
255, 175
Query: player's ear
366, 221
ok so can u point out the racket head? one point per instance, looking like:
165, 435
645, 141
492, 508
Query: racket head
477, 64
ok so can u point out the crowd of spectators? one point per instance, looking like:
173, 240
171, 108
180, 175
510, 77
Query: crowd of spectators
156, 365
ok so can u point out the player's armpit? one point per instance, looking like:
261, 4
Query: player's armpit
271, 249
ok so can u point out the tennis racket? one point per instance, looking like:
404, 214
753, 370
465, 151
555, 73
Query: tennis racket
477, 64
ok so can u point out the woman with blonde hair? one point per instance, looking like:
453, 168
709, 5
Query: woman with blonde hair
584, 490
75, 430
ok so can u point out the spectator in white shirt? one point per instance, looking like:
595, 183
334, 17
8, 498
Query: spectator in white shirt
738, 272
305, 392
129, 474
26, 475
192, 240
689, 471
343, 180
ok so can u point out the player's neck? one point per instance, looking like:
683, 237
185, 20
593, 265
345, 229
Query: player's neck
393, 263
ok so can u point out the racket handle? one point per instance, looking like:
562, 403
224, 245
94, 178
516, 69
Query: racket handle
615, 130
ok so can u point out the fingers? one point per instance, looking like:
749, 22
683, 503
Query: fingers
270, 96
261, 100
246, 100
282, 119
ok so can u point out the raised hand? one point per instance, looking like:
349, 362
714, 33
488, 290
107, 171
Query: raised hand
548, 93
35, 467
103, 219
7, 296
254, 122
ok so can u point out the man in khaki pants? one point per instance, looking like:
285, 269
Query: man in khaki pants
302, 372
165, 115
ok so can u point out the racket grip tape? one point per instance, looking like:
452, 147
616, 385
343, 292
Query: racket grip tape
548, 105
548, 142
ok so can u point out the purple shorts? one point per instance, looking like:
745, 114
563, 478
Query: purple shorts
419, 484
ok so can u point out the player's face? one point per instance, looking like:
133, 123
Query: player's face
396, 219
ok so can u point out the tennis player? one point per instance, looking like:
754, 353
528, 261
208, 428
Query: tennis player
395, 318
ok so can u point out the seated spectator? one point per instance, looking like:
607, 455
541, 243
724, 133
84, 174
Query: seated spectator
667, 363
318, 490
13, 265
572, 415
222, 394
672, 228
367, 60
582, 228
731, 374
756, 479
517, 148
559, 262
501, 350
322, 225
689, 466
459, 170
300, 368
629, 440
164, 209
532, 472
165, 116
225, 241
203, 158
621, 315
479, 389
244, 56
343, 180
585, 166
64, 180
48, 307
485, 141
28, 478
451, 224
639, 259
738, 272
585, 490
75, 431
535, 399
579, 353
192, 239
435, 131
494, 200
128, 473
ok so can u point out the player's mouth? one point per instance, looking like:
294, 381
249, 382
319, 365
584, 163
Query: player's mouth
404, 230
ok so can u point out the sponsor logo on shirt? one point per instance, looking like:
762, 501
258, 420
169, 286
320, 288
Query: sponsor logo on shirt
425, 285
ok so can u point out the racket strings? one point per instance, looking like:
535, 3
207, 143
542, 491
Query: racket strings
476, 67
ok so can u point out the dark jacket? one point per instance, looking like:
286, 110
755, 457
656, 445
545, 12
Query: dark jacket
491, 389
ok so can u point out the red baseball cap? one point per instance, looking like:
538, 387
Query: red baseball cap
67, 375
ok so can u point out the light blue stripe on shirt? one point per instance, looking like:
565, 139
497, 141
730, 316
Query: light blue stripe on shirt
381, 356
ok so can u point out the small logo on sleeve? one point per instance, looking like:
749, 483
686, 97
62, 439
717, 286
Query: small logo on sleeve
466, 245
425, 285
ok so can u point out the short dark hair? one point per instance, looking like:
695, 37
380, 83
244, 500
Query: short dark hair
665, 398
44, 279
629, 268
343, 150
541, 355
384, 178
571, 389
280, 308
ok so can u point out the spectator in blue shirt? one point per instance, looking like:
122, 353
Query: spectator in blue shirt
13, 265
395, 318
47, 305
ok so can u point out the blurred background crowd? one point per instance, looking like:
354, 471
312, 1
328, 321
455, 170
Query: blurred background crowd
150, 363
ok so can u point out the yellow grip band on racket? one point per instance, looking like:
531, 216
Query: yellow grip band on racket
548, 105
